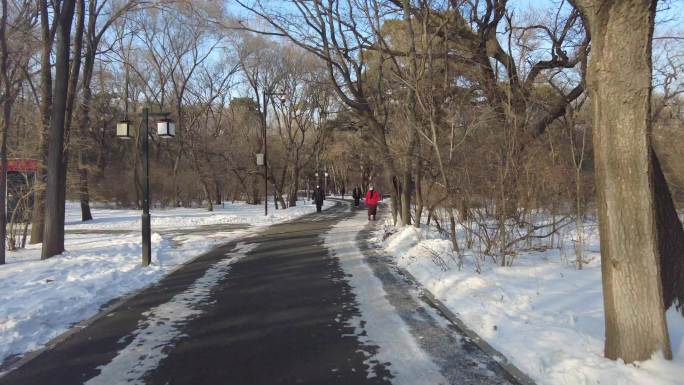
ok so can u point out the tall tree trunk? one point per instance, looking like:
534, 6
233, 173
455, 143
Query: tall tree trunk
217, 187
294, 184
84, 109
6, 116
406, 196
72, 93
174, 178
47, 39
255, 199
37, 217
395, 197
278, 187
413, 120
207, 194
452, 231
630, 223
579, 220
670, 240
53, 233
419, 194
84, 194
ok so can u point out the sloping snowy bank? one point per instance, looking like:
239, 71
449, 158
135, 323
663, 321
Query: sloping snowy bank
39, 300
542, 313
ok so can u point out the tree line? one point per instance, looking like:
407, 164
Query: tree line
480, 112
73, 69
508, 123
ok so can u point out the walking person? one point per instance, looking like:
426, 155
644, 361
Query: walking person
318, 197
356, 194
342, 190
371, 200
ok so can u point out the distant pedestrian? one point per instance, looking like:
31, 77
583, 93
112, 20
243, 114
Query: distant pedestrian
318, 197
342, 191
356, 194
372, 199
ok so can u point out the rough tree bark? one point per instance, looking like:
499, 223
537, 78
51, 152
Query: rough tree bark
53, 232
47, 34
83, 190
670, 240
294, 184
93, 37
6, 115
92, 41
631, 227
418, 198
217, 188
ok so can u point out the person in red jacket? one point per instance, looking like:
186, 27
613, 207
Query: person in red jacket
371, 200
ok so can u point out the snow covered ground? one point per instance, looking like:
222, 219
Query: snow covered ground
39, 300
542, 313
179, 218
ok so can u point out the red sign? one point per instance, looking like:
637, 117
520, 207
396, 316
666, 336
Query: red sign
22, 165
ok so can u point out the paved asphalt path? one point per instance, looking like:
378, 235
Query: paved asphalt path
272, 309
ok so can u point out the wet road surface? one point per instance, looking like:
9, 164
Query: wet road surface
275, 308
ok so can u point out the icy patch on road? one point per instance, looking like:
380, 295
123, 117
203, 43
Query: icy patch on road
379, 324
163, 325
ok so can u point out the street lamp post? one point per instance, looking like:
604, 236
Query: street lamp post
165, 129
266, 95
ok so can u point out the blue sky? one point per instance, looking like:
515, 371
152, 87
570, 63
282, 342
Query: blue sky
670, 18
671, 10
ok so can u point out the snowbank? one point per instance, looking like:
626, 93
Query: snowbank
179, 218
542, 313
40, 300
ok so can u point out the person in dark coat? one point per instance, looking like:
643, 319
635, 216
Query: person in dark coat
318, 197
342, 191
356, 194
371, 201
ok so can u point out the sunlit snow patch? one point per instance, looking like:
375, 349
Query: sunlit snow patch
379, 324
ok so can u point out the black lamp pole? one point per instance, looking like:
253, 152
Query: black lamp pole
265, 164
166, 129
146, 219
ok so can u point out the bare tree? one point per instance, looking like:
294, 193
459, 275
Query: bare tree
65, 80
205, 123
261, 66
333, 32
93, 36
641, 236
48, 29
305, 100
15, 27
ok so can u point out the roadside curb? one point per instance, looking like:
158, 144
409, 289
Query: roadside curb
518, 375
